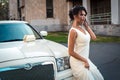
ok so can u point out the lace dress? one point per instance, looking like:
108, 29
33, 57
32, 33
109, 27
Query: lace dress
81, 47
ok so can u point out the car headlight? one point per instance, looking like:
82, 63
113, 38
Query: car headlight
62, 63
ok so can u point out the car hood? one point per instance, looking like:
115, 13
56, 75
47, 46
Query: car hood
37, 48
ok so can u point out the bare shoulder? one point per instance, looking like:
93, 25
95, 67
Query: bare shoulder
73, 32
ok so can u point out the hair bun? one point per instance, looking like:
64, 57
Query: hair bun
71, 14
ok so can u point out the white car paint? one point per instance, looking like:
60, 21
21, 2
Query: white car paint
41, 50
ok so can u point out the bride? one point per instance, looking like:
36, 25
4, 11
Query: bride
78, 46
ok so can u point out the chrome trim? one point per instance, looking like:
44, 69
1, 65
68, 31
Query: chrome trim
26, 66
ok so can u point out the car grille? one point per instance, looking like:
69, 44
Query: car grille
36, 72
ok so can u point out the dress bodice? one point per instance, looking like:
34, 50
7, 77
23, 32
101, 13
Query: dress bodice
82, 41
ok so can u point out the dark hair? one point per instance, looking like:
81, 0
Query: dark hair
75, 10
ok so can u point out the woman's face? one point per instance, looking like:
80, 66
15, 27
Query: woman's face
80, 18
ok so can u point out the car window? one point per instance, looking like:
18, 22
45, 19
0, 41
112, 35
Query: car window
16, 32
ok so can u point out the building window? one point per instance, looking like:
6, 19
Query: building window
49, 8
77, 2
100, 12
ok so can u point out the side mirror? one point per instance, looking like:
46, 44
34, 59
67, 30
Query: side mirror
43, 33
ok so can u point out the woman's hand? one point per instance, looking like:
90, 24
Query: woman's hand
92, 34
86, 24
87, 65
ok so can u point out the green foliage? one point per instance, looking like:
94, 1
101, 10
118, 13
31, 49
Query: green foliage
3, 9
62, 37
107, 39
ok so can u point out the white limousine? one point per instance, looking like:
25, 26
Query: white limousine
26, 55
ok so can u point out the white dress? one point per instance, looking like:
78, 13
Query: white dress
81, 47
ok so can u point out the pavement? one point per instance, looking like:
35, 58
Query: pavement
106, 56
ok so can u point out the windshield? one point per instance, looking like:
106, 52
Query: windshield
16, 32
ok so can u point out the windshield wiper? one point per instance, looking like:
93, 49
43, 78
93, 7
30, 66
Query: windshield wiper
12, 40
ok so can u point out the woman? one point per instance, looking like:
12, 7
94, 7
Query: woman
78, 46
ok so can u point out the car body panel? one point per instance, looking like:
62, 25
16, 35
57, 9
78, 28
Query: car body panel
21, 49
16, 54
9, 53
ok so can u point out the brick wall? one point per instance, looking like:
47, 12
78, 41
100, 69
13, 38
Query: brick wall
13, 13
35, 13
35, 9
107, 30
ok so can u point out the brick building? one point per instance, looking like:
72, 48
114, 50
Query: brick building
52, 15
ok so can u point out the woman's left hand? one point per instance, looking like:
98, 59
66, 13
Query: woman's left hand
87, 65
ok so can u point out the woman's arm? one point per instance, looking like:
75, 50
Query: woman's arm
92, 34
71, 41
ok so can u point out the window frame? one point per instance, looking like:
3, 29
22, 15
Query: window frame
49, 9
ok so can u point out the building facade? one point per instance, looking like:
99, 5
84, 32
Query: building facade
52, 15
